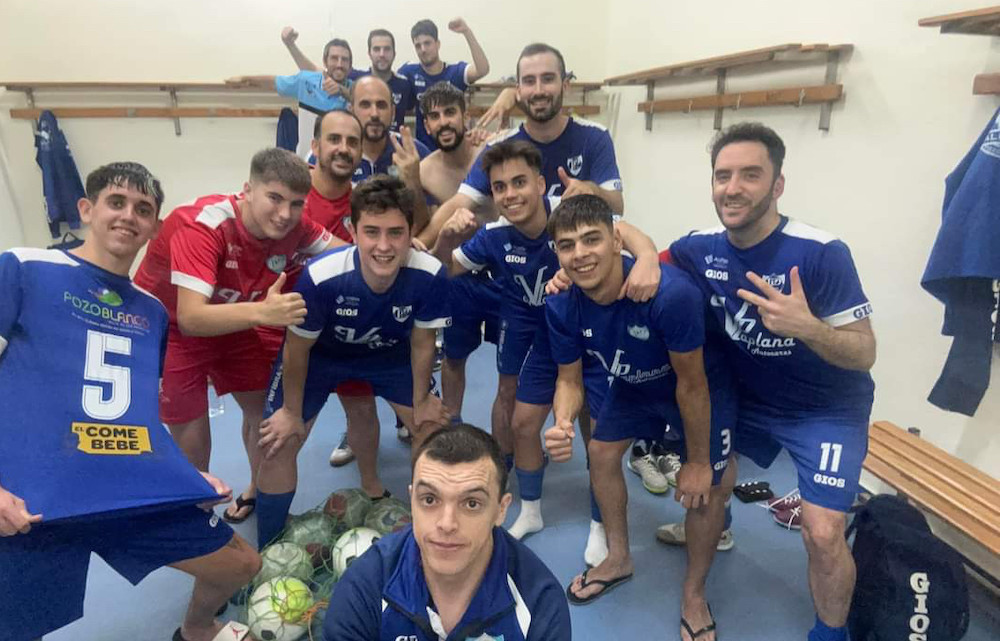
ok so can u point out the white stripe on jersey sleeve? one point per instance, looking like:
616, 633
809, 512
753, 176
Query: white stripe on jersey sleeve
305, 333
3, 344
190, 282
423, 261
848, 316
215, 214
520, 607
477, 196
500, 222
437, 323
335, 264
798, 229
615, 184
463, 260
319, 244
29, 254
589, 123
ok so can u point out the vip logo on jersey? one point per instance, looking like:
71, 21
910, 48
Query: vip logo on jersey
776, 281
640, 332
277, 263
575, 164
533, 295
107, 296
740, 327
401, 312
616, 367
370, 338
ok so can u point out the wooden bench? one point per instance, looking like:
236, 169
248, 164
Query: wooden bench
932, 479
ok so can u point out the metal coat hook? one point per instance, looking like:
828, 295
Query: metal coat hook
802, 97
739, 100
690, 104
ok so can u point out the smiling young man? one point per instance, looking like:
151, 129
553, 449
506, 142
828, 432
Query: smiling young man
455, 574
661, 376
87, 466
787, 298
219, 265
373, 313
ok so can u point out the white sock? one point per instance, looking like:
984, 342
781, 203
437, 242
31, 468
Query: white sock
597, 545
529, 520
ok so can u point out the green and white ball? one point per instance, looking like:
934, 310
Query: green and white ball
349, 506
277, 610
388, 515
315, 531
284, 559
351, 545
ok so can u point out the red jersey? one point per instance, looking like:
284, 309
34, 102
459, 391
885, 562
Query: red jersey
204, 246
333, 215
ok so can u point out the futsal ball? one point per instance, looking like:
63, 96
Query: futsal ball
349, 506
284, 559
352, 544
388, 515
277, 608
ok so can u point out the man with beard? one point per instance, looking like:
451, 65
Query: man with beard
789, 301
315, 96
381, 52
432, 70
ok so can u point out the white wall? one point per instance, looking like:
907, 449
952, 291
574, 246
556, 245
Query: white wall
875, 179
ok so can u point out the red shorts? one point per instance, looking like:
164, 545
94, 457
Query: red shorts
239, 362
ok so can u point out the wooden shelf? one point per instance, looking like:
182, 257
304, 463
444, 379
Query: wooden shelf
986, 84
219, 87
985, 22
582, 86
824, 95
147, 112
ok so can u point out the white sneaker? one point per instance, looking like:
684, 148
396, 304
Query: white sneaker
342, 454
673, 534
669, 465
652, 479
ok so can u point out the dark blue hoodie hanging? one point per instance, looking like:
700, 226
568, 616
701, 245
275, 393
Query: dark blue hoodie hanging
60, 180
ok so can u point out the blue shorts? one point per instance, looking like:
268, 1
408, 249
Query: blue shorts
393, 381
631, 412
515, 341
475, 303
827, 451
536, 384
43, 574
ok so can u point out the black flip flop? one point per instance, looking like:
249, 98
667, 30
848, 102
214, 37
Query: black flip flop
240, 504
385, 494
708, 628
606, 586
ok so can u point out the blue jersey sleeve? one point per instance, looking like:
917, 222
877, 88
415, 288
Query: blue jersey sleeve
564, 328
604, 166
678, 312
456, 75
832, 287
476, 184
355, 605
474, 254
317, 309
434, 308
681, 254
288, 85
10, 285
550, 617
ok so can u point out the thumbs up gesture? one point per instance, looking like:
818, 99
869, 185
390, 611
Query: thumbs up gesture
281, 310
559, 440
573, 187
786, 315
331, 86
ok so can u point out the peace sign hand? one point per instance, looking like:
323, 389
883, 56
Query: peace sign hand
786, 315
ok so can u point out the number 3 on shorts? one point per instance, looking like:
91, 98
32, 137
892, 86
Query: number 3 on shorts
727, 442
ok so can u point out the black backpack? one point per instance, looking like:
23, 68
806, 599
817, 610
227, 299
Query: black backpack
911, 586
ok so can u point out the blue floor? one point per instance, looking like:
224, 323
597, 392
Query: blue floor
758, 590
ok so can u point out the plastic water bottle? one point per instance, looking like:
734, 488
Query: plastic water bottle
216, 406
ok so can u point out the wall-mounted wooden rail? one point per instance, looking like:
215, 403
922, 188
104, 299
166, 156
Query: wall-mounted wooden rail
825, 94
982, 22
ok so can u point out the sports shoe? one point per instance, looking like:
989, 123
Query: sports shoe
790, 519
669, 465
342, 454
644, 465
673, 534
787, 502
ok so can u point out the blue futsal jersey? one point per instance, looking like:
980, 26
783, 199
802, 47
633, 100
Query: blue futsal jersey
382, 165
353, 323
520, 265
81, 352
399, 86
584, 150
778, 374
420, 81
630, 340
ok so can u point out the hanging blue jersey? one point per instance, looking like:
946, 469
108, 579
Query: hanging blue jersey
631, 340
399, 86
777, 373
61, 182
584, 150
383, 596
81, 351
520, 265
352, 322
383, 164
420, 81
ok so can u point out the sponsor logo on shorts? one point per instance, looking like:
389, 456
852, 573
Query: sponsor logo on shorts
831, 481
717, 274
346, 311
920, 621
575, 164
214, 520
401, 312
277, 263
721, 465
640, 332
99, 438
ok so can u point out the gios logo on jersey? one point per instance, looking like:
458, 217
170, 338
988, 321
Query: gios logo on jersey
99, 438
717, 274
104, 307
